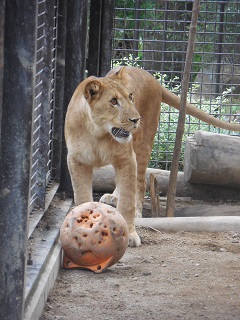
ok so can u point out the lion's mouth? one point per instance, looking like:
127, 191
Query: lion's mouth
120, 133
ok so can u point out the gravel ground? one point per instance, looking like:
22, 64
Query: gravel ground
170, 276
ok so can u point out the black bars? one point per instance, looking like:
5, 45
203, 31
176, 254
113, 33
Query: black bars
100, 37
59, 90
2, 11
75, 67
16, 127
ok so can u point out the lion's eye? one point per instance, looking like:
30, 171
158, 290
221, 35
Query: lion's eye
114, 101
131, 96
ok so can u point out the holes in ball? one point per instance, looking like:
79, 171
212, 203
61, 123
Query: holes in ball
85, 217
86, 252
91, 225
99, 267
79, 220
85, 235
104, 234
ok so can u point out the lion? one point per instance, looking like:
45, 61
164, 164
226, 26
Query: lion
113, 120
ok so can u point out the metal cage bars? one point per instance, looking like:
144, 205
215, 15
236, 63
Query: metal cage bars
15, 163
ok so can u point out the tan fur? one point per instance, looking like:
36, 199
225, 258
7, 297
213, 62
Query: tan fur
127, 98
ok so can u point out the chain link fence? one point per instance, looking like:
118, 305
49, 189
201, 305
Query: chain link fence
153, 35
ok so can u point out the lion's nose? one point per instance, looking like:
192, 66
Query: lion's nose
135, 120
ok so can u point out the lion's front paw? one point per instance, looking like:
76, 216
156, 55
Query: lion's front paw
134, 239
109, 199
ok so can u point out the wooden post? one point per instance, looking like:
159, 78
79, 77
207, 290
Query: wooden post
182, 112
154, 195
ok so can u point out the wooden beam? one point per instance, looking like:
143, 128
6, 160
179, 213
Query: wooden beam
182, 112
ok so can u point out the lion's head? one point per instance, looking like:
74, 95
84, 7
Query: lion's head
112, 108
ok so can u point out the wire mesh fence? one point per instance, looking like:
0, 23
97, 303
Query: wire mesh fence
153, 35
43, 111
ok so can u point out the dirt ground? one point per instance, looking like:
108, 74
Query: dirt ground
187, 276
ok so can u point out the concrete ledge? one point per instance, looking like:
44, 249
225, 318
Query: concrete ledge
192, 224
46, 257
45, 283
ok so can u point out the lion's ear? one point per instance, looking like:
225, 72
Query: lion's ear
92, 90
116, 72
120, 71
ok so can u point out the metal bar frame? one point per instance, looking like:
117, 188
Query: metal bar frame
2, 20
100, 37
59, 91
16, 146
75, 69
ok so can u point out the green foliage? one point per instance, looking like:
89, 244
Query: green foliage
164, 140
126, 61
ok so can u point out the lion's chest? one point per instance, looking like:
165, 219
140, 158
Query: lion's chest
94, 153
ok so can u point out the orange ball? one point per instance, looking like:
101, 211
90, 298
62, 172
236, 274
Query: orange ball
94, 236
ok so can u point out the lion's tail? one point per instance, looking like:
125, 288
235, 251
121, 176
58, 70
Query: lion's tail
174, 101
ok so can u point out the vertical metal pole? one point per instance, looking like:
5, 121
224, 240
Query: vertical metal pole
15, 166
219, 46
76, 40
2, 13
94, 38
59, 88
165, 28
100, 37
106, 37
136, 28
75, 65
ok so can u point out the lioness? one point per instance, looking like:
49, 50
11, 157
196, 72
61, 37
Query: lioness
113, 120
